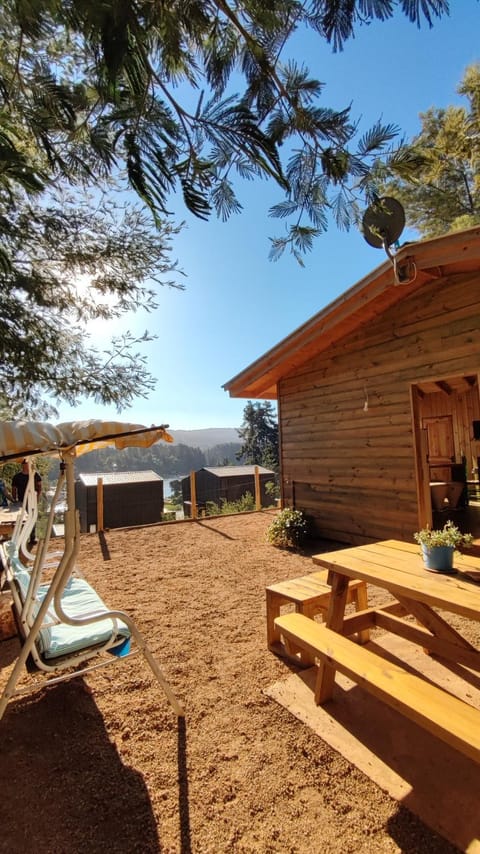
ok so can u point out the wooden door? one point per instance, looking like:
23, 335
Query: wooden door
440, 445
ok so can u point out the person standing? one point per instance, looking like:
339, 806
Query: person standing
4, 495
19, 486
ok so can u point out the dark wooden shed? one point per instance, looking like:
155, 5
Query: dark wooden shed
226, 483
129, 498
378, 398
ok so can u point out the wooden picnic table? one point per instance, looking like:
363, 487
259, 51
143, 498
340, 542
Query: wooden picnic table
398, 568
8, 518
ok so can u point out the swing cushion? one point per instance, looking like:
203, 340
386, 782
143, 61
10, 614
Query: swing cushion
79, 600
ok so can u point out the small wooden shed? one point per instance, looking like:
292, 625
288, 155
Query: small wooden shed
378, 398
129, 498
226, 483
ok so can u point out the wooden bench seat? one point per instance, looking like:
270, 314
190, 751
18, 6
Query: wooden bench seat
445, 716
309, 595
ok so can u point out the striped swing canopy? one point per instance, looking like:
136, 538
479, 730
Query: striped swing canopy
20, 439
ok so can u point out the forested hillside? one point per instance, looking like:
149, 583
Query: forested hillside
206, 438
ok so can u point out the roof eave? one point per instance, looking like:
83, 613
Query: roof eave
420, 261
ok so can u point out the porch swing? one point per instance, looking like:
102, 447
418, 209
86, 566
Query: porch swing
64, 626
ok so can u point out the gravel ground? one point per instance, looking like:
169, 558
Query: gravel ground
101, 763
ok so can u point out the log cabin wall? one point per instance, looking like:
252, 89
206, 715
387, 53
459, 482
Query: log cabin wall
348, 457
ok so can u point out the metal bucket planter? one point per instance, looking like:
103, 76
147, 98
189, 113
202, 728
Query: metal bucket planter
438, 558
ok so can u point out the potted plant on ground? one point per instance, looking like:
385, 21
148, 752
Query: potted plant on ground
288, 530
438, 546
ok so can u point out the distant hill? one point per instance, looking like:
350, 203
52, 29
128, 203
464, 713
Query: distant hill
207, 438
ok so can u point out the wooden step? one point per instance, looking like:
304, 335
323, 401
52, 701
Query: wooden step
445, 716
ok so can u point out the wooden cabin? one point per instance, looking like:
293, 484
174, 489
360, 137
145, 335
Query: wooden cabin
226, 483
129, 498
378, 398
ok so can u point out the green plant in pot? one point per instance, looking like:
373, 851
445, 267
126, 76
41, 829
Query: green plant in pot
288, 530
438, 546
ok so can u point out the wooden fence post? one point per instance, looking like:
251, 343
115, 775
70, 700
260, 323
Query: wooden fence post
258, 497
193, 495
99, 504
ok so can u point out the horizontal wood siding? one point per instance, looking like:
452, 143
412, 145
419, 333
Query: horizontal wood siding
352, 470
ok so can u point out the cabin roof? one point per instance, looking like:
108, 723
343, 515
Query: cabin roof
119, 477
236, 471
233, 471
418, 263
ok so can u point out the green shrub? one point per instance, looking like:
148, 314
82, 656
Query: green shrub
272, 488
170, 506
289, 529
242, 505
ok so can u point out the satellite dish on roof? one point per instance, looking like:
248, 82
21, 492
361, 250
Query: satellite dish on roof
382, 225
383, 222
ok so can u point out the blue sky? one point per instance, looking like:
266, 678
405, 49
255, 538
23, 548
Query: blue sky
237, 304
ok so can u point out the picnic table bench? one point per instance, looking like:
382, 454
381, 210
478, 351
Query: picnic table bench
309, 595
396, 567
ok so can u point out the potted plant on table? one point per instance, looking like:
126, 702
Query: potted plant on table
438, 546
